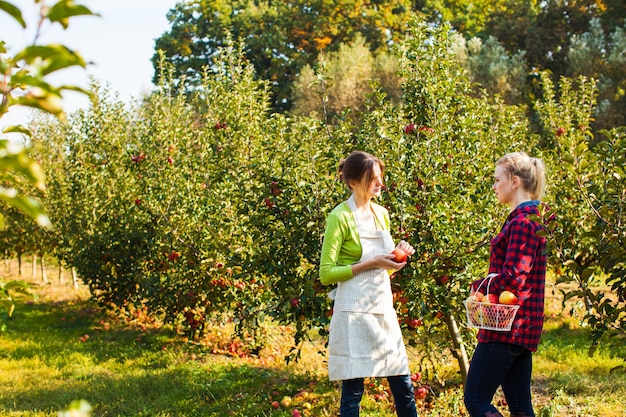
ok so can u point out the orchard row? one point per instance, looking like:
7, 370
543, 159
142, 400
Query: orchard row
207, 208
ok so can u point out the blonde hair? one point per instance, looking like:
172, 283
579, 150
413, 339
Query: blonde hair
531, 171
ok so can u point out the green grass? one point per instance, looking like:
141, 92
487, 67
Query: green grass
129, 368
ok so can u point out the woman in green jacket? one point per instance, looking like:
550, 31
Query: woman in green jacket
365, 338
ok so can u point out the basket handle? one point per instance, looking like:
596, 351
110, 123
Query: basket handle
488, 278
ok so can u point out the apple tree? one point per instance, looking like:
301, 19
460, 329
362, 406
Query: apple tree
444, 158
587, 195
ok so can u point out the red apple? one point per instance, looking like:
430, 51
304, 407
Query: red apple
477, 296
294, 302
560, 131
275, 404
421, 393
414, 323
399, 255
410, 128
490, 299
507, 297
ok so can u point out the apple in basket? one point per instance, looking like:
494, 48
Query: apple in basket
477, 297
507, 297
490, 299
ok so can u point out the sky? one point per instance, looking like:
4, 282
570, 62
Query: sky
119, 44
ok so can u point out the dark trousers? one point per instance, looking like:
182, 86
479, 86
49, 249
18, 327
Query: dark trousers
494, 365
401, 388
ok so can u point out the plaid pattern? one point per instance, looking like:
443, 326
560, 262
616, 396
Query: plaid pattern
518, 256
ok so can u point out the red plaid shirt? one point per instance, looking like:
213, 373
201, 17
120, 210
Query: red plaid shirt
518, 256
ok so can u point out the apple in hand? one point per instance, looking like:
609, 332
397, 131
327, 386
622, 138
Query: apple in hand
507, 297
399, 255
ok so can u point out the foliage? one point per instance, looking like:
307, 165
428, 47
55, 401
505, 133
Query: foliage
491, 68
595, 55
468, 17
587, 193
280, 38
29, 68
341, 81
439, 166
24, 82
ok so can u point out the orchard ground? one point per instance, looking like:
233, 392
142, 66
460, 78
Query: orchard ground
62, 348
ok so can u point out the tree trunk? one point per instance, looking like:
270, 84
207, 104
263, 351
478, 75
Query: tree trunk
459, 351
34, 275
61, 277
74, 278
19, 264
44, 276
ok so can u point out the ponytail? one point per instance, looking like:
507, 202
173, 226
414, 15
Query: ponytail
531, 172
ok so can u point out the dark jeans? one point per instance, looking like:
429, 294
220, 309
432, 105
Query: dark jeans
401, 388
499, 364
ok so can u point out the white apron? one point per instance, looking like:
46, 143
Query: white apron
365, 339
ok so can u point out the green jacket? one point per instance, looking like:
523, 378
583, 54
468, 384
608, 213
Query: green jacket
342, 246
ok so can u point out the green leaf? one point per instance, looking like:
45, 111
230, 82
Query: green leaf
573, 294
48, 103
13, 11
64, 9
14, 159
46, 59
27, 204
17, 129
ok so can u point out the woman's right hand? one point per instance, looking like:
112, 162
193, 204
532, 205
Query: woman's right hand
384, 261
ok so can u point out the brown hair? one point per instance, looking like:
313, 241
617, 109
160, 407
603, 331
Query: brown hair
531, 171
357, 165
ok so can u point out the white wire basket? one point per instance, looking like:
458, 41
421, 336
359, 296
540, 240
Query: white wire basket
489, 316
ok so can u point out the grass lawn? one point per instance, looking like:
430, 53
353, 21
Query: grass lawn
61, 348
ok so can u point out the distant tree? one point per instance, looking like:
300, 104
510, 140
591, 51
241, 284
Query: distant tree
467, 16
492, 68
280, 37
543, 29
603, 57
342, 79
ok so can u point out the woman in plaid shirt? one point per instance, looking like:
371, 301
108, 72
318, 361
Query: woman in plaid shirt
518, 257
